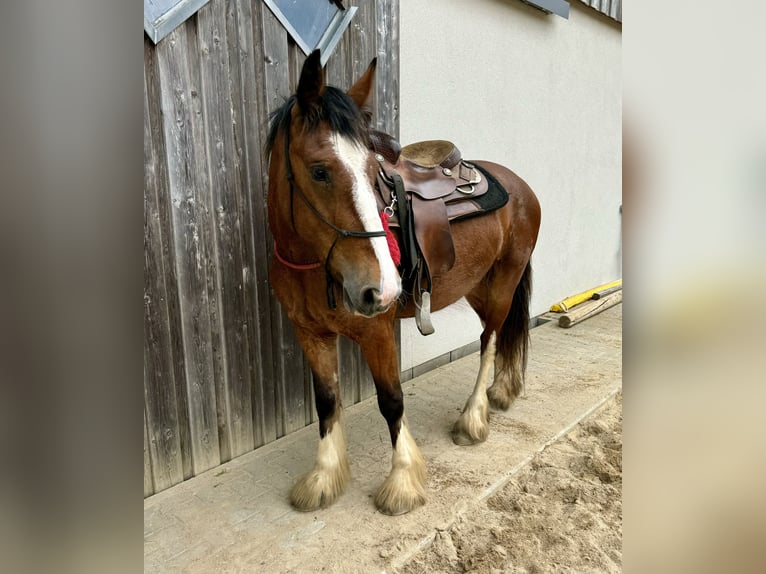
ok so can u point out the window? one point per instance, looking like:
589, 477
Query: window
162, 16
559, 7
316, 24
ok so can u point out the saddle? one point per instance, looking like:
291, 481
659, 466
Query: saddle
422, 187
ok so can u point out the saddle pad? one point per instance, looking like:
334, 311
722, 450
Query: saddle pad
495, 197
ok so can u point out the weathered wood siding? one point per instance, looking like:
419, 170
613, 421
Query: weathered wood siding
223, 373
612, 8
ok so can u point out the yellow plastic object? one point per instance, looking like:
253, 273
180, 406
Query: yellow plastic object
570, 302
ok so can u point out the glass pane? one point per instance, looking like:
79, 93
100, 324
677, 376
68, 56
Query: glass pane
310, 18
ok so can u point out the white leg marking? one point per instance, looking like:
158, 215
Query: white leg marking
473, 424
355, 157
404, 488
327, 480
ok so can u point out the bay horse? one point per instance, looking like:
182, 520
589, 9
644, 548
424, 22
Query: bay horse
329, 238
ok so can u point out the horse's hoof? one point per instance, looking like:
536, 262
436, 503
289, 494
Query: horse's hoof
500, 397
472, 426
400, 493
462, 436
318, 489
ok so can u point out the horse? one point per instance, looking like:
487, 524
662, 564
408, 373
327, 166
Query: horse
330, 241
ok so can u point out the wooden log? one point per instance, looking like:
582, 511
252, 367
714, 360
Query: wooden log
601, 294
588, 309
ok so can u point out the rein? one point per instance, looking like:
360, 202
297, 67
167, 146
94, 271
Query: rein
341, 233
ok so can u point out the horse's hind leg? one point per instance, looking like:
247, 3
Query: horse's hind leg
503, 346
513, 343
473, 424
404, 488
330, 475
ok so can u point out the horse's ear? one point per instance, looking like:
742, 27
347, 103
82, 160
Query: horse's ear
311, 85
362, 90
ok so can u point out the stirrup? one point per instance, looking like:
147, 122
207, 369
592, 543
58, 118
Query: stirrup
423, 314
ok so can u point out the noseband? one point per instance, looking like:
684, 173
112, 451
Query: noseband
340, 233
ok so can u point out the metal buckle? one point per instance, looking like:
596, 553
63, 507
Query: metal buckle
471, 188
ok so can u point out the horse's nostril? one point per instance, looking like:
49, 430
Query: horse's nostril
371, 296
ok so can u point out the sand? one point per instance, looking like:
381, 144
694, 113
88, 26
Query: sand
560, 513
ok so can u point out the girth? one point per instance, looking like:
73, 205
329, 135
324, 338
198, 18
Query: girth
423, 187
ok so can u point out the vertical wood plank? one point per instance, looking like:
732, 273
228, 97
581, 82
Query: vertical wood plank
164, 401
387, 41
148, 483
387, 86
361, 38
337, 74
288, 357
212, 395
161, 202
253, 121
188, 177
296, 58
347, 361
160, 402
336, 69
227, 184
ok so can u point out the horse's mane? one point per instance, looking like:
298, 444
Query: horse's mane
334, 107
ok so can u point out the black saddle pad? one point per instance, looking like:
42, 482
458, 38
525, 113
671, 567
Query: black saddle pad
495, 198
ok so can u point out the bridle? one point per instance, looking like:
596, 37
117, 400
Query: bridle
340, 233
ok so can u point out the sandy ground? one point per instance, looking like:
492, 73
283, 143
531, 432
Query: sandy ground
561, 513
511, 503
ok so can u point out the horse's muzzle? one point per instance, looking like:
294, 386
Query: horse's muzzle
367, 300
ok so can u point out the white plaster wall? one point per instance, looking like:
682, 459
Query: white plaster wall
541, 95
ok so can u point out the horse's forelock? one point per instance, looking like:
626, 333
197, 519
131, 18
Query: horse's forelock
334, 107
343, 116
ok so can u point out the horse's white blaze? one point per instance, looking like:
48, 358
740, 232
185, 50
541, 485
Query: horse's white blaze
354, 157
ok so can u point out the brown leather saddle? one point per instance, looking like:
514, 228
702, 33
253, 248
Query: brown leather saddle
422, 187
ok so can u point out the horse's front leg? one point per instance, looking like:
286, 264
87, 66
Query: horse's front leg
330, 475
404, 488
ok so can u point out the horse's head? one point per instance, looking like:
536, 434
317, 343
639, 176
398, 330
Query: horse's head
322, 204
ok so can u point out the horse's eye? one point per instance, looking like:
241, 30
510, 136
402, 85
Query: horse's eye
320, 174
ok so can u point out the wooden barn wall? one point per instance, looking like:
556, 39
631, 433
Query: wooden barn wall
223, 373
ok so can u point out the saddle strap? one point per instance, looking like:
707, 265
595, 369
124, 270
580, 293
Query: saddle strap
409, 246
414, 268
433, 234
